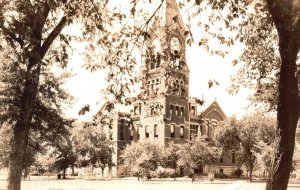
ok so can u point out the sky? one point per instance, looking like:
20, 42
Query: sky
86, 86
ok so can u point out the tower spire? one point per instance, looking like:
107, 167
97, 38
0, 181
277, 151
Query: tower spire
173, 19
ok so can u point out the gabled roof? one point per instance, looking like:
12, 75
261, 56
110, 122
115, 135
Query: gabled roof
214, 108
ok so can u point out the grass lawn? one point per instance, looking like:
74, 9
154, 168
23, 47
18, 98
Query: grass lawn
42, 183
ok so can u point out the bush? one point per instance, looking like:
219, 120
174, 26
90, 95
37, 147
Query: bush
237, 173
165, 172
220, 175
75, 174
154, 174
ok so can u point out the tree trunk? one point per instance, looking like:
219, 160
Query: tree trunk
92, 169
64, 173
110, 171
288, 27
193, 175
102, 170
281, 167
22, 126
174, 173
73, 172
250, 173
25, 173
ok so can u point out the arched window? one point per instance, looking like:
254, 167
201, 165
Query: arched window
172, 131
181, 131
147, 131
155, 131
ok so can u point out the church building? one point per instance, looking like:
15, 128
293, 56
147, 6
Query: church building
167, 113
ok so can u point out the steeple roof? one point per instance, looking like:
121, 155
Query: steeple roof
169, 18
166, 24
172, 18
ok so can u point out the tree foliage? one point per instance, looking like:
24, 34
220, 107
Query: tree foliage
4, 146
253, 23
142, 157
93, 146
64, 153
171, 156
198, 153
248, 138
33, 31
47, 120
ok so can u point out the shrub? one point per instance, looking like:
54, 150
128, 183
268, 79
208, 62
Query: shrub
165, 172
237, 173
220, 175
154, 174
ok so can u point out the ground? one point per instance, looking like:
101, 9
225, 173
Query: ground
43, 183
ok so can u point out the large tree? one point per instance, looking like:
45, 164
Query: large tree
170, 157
276, 32
246, 138
286, 18
93, 146
31, 27
32, 30
47, 114
198, 153
64, 152
258, 19
142, 157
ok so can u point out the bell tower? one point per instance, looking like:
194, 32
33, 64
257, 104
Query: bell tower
164, 112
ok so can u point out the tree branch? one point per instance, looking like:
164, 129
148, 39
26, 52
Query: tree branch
12, 36
146, 25
54, 33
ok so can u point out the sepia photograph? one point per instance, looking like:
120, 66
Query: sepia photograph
149, 94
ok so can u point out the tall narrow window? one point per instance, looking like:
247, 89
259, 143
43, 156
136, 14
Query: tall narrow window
136, 110
182, 90
193, 131
152, 65
148, 87
233, 158
201, 130
197, 129
158, 59
171, 109
181, 111
208, 129
221, 160
157, 85
111, 135
147, 131
111, 123
152, 85
138, 133
172, 130
131, 133
155, 131
181, 131
177, 110
193, 110
152, 111
122, 130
